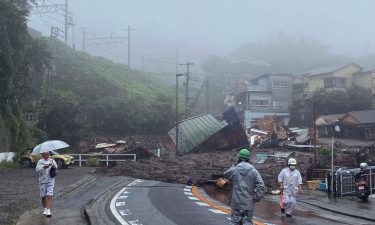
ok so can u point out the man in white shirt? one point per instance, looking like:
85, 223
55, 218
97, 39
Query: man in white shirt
46, 183
290, 182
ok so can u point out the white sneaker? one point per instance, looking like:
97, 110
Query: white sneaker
45, 211
48, 214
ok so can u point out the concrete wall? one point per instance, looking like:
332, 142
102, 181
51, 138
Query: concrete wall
4, 139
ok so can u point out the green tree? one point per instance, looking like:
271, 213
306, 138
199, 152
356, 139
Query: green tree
330, 102
17, 58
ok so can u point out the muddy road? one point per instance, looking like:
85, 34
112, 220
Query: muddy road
19, 190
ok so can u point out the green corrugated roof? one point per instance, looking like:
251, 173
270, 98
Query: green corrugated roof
195, 130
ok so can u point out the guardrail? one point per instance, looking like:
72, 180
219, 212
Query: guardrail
344, 181
107, 158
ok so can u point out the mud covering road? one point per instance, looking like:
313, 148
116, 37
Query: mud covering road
200, 167
19, 189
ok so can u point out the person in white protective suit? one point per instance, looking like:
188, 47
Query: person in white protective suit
290, 182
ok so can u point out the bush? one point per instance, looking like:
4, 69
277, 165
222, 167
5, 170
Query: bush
8, 164
93, 162
324, 156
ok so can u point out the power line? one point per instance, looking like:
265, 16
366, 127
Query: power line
55, 8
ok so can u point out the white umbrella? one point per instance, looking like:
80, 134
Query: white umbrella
49, 146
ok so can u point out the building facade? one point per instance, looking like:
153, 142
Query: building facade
332, 78
267, 94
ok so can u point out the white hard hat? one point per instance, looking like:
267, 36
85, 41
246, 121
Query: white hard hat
292, 161
363, 165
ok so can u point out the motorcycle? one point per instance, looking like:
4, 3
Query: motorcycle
362, 190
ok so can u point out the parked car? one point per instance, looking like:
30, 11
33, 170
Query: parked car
28, 160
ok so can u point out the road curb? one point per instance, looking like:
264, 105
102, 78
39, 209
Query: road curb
87, 209
195, 192
338, 211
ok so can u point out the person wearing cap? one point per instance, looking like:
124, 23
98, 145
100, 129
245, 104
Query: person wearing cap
248, 188
290, 182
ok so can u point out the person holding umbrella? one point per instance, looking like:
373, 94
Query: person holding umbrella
46, 182
43, 168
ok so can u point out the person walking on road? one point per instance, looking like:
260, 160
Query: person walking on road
248, 188
46, 182
290, 182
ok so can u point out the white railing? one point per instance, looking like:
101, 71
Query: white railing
104, 158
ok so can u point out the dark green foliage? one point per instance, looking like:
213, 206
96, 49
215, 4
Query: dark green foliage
338, 101
330, 102
324, 156
17, 58
93, 96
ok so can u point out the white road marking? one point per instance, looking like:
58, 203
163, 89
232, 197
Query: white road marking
113, 204
217, 211
135, 222
120, 204
187, 189
114, 211
123, 197
125, 212
228, 218
135, 182
193, 198
188, 193
202, 204
125, 193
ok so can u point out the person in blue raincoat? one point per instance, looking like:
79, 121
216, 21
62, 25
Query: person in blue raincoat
248, 188
290, 182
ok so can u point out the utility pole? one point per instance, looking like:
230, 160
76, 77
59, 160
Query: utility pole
177, 75
66, 21
129, 46
55, 8
83, 39
187, 87
207, 96
314, 133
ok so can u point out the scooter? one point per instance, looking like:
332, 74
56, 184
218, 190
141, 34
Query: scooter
362, 190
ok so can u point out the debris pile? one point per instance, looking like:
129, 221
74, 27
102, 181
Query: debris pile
143, 146
202, 167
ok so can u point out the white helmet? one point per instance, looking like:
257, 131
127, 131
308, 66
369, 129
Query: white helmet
292, 161
363, 166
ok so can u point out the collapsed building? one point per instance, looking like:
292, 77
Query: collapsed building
205, 133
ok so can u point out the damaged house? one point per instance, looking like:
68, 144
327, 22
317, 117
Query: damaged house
352, 125
205, 133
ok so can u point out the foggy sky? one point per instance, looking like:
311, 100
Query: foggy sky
199, 28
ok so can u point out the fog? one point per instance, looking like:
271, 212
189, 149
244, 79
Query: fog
196, 29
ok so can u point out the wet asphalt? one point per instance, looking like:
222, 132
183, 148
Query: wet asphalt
156, 203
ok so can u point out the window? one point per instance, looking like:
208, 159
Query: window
259, 103
280, 104
280, 83
28, 117
334, 82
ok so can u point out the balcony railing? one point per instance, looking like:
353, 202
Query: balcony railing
260, 88
268, 109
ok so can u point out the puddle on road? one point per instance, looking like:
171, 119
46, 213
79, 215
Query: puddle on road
267, 209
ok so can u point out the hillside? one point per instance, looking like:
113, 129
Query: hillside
93, 96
